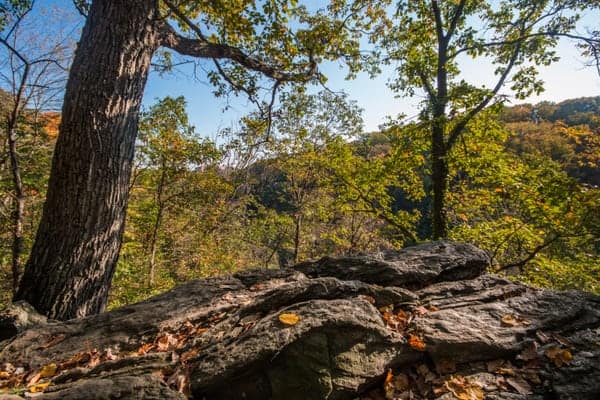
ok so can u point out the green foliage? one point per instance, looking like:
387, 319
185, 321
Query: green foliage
524, 210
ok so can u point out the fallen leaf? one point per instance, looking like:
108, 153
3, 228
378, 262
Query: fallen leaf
145, 348
559, 356
4, 375
463, 389
38, 388
542, 336
188, 355
512, 321
389, 309
494, 365
165, 342
520, 385
388, 378
34, 379
388, 386
416, 343
200, 331
289, 319
562, 340
505, 371
369, 299
530, 352
48, 371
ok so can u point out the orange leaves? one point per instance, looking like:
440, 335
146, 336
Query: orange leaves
400, 320
289, 318
416, 343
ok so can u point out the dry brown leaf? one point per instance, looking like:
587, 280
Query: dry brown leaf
369, 299
34, 379
494, 365
506, 371
4, 375
145, 348
530, 352
542, 336
513, 321
289, 318
463, 389
416, 343
520, 385
166, 342
188, 355
389, 308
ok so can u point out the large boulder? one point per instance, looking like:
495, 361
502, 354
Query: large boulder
423, 322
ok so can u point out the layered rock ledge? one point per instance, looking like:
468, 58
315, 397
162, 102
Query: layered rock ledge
421, 323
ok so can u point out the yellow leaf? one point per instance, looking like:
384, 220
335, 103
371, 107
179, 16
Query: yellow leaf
48, 371
289, 319
38, 387
559, 356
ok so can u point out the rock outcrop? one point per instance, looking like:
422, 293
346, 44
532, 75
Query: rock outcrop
425, 322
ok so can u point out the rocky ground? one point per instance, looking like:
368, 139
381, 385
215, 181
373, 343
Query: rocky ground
422, 323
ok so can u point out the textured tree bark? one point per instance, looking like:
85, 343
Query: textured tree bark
73, 259
439, 178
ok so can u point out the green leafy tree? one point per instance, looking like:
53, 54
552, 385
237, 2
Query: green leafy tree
89, 182
524, 209
427, 41
169, 153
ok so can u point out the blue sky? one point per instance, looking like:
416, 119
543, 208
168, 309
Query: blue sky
565, 79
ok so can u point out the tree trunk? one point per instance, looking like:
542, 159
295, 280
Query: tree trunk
439, 178
19, 198
157, 222
297, 228
73, 259
19, 205
439, 162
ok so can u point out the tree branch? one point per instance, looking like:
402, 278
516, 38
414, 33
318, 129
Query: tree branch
203, 48
460, 126
531, 255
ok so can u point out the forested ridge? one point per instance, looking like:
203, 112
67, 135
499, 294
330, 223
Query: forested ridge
526, 175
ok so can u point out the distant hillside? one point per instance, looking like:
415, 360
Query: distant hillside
580, 111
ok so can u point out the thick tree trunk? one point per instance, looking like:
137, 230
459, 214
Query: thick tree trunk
77, 245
